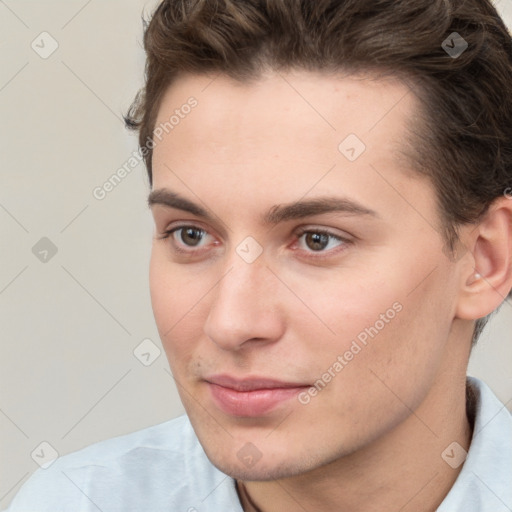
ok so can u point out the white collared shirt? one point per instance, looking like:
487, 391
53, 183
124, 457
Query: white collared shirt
164, 468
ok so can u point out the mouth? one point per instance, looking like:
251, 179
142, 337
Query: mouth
251, 397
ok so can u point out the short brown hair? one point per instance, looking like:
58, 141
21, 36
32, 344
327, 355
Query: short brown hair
463, 141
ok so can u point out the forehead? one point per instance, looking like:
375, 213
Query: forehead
300, 131
299, 112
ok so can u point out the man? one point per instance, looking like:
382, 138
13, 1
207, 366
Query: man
330, 184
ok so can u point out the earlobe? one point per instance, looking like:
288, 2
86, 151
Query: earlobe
487, 281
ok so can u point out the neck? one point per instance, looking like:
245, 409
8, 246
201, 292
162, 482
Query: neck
403, 470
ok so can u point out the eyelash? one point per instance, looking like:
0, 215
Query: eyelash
301, 232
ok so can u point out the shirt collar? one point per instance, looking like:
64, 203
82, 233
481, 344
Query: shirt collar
484, 483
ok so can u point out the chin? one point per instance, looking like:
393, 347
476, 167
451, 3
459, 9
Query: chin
271, 466
261, 471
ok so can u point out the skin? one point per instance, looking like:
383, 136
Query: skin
372, 439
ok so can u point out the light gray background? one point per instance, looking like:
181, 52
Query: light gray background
69, 326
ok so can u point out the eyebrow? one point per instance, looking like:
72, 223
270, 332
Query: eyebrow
276, 214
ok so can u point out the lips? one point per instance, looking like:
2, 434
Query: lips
251, 397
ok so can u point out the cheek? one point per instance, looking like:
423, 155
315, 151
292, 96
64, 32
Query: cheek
392, 297
169, 299
172, 293
393, 355
162, 290
376, 326
343, 310
178, 302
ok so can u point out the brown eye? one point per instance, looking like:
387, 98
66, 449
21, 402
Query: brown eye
190, 236
317, 241
320, 243
188, 240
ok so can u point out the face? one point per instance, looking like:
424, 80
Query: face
298, 278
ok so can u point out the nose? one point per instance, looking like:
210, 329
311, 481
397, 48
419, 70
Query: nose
244, 306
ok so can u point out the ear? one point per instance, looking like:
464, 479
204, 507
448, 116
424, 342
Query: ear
486, 271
